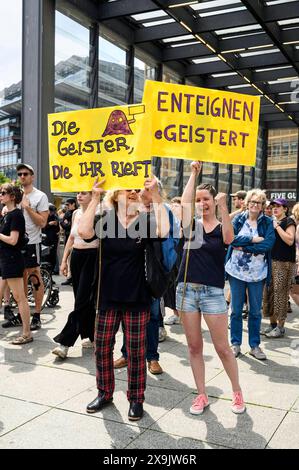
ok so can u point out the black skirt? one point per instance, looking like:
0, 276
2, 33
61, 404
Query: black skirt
12, 264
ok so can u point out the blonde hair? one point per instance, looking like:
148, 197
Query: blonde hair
295, 212
258, 193
110, 199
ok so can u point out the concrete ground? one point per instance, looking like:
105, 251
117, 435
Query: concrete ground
43, 399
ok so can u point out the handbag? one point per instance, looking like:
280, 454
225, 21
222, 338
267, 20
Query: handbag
157, 277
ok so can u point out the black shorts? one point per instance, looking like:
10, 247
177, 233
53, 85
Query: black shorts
12, 265
32, 254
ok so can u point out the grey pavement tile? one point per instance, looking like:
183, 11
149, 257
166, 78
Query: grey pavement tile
287, 435
295, 407
158, 401
36, 352
275, 368
41, 384
177, 370
158, 440
219, 426
78, 360
258, 389
14, 413
59, 429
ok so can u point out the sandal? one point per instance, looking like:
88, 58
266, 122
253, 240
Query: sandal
22, 340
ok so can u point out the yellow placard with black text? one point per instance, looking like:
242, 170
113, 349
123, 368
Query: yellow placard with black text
202, 124
112, 143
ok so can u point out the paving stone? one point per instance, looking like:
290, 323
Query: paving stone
258, 389
219, 426
158, 440
59, 429
286, 436
14, 413
158, 401
41, 384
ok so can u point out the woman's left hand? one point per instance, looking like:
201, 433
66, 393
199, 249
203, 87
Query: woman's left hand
221, 200
151, 184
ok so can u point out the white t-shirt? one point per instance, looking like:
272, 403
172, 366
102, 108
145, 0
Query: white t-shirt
39, 203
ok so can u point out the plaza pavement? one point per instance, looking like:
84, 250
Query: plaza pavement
43, 399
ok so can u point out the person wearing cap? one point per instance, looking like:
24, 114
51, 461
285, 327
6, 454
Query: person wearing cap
35, 206
275, 301
248, 266
239, 203
66, 225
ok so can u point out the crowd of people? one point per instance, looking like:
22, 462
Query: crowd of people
199, 245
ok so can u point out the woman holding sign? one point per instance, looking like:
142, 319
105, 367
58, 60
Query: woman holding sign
122, 294
201, 283
83, 255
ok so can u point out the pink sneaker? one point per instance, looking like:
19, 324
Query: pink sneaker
238, 405
199, 404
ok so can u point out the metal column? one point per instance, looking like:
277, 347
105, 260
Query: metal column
38, 71
264, 161
130, 74
94, 65
157, 160
297, 179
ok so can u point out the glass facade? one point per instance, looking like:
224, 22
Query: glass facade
71, 65
142, 72
113, 74
282, 163
10, 86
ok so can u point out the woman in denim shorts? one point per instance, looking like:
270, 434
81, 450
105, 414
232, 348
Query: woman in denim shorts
203, 293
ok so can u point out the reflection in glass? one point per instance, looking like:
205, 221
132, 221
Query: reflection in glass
10, 86
71, 64
282, 161
142, 72
112, 74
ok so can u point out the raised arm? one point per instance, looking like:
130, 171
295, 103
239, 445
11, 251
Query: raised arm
86, 223
188, 194
227, 227
161, 214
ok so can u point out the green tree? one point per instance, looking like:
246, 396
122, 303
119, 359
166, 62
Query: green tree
3, 178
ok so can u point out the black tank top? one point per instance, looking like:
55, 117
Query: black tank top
206, 264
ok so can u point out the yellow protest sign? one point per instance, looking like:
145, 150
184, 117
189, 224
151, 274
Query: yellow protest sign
111, 143
202, 124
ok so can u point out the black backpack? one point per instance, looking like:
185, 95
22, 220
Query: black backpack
157, 277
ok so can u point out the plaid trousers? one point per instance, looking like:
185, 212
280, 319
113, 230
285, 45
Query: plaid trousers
106, 327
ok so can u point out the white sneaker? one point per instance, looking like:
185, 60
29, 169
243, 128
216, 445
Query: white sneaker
172, 320
87, 344
162, 334
60, 351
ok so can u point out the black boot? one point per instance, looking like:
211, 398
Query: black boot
12, 320
135, 411
98, 403
8, 312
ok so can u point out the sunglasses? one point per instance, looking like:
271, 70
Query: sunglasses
23, 174
130, 190
3, 193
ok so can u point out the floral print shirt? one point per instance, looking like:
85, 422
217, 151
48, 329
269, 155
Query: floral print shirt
247, 267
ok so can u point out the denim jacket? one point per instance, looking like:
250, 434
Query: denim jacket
265, 229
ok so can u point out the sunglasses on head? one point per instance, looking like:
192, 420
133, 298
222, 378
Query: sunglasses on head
22, 173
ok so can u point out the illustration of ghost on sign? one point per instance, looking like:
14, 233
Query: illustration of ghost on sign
118, 122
